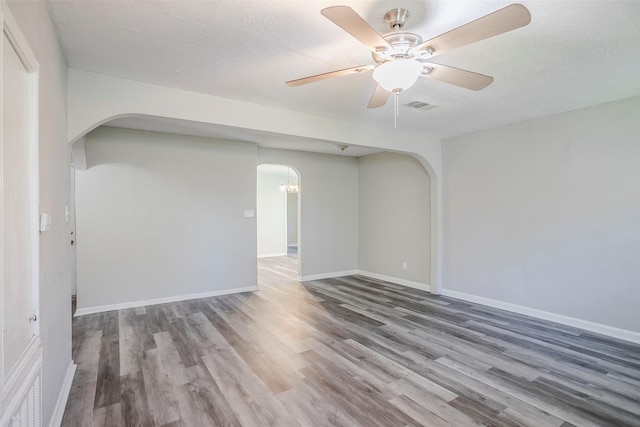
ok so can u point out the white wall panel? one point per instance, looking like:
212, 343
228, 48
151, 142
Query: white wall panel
161, 215
394, 217
545, 214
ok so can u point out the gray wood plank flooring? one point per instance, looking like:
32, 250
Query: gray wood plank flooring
344, 352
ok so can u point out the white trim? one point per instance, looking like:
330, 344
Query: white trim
18, 41
34, 164
327, 275
79, 154
61, 403
437, 227
272, 255
154, 301
397, 281
599, 328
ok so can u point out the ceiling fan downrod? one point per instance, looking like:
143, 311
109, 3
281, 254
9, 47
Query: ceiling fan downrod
396, 18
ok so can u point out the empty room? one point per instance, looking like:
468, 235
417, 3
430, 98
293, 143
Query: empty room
315, 213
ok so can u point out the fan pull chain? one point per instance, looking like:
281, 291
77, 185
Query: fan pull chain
396, 107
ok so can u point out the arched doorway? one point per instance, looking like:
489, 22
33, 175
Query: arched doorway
278, 213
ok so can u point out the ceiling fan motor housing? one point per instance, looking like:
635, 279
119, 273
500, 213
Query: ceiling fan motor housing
401, 42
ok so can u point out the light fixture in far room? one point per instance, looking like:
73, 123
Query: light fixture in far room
288, 186
396, 76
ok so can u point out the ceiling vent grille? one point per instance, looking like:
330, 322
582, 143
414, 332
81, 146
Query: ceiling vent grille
421, 106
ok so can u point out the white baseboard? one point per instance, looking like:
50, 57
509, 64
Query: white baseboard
599, 328
328, 275
272, 255
397, 281
63, 396
133, 304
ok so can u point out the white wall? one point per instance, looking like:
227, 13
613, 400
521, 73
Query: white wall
158, 216
546, 214
394, 217
72, 228
328, 209
55, 251
292, 219
271, 215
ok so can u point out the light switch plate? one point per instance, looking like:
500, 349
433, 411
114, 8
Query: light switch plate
45, 222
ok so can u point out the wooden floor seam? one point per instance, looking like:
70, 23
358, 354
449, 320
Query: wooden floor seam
349, 351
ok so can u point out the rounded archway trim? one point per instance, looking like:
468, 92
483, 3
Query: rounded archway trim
95, 99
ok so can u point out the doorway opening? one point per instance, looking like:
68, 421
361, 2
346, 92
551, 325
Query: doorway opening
278, 222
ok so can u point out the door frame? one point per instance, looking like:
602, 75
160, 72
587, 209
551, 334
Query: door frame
299, 212
18, 380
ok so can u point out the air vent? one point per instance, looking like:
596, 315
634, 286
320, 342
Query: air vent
419, 105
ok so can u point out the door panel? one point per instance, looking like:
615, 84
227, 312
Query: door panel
17, 207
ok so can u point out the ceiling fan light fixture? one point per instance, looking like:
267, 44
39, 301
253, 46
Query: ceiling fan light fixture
397, 75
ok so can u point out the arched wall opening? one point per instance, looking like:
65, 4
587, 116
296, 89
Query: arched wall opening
435, 219
278, 193
364, 215
330, 231
96, 99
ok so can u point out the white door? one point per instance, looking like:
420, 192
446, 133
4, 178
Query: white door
20, 348
17, 221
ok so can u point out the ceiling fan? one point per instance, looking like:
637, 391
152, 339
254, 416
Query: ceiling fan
401, 57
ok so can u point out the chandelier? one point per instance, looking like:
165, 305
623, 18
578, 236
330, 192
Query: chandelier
289, 186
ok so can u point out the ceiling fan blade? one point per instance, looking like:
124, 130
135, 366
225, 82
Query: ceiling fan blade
323, 76
457, 77
498, 22
379, 97
347, 19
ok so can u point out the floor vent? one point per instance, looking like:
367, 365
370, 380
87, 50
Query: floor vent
419, 105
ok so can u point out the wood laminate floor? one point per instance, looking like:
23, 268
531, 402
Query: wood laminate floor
344, 352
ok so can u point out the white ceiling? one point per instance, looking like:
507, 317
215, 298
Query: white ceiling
572, 55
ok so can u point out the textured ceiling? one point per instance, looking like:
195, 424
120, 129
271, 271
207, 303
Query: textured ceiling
572, 55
